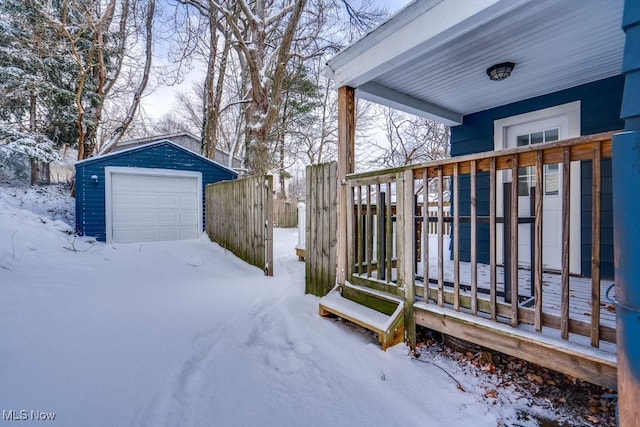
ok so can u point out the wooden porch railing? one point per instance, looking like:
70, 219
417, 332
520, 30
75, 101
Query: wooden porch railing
389, 247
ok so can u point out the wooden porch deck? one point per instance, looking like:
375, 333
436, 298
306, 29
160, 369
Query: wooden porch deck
573, 356
579, 287
579, 292
566, 323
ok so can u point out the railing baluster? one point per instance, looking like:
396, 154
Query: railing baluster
407, 229
369, 233
474, 243
379, 232
493, 279
595, 246
351, 231
360, 232
425, 233
566, 223
514, 240
401, 214
440, 241
537, 291
389, 234
456, 238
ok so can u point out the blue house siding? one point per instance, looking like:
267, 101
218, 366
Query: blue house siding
600, 112
90, 197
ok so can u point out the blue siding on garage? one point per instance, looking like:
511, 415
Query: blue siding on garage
600, 112
90, 197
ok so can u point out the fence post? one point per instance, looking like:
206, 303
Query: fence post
268, 224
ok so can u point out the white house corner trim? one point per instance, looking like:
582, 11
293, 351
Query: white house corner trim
108, 213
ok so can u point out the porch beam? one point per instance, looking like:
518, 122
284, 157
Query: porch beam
346, 165
386, 96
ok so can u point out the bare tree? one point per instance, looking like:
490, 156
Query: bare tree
254, 52
316, 141
90, 62
411, 139
361, 16
170, 123
100, 36
142, 84
218, 44
190, 106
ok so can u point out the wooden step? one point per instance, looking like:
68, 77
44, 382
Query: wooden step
390, 328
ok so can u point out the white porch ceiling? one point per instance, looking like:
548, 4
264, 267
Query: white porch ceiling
556, 44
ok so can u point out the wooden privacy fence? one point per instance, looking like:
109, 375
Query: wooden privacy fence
239, 218
321, 226
285, 213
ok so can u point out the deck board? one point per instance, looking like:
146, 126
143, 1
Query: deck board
579, 290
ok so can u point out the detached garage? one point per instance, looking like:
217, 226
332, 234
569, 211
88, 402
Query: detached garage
147, 193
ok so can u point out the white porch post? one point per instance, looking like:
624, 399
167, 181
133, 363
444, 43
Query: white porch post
346, 165
302, 226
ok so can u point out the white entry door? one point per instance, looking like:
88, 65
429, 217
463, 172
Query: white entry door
529, 134
536, 127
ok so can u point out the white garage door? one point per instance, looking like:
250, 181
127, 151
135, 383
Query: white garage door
149, 205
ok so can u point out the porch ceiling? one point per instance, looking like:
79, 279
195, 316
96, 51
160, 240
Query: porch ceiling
431, 58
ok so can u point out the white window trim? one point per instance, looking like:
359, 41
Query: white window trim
572, 111
110, 170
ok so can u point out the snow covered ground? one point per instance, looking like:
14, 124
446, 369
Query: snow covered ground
186, 334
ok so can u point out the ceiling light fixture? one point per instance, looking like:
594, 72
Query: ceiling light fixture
500, 71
